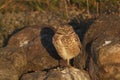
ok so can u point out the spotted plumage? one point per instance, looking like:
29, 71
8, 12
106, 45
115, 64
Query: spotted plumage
66, 42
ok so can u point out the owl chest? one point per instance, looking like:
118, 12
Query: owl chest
68, 44
66, 41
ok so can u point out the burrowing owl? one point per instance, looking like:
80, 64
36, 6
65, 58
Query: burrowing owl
66, 42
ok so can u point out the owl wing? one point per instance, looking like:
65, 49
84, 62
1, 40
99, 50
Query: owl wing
55, 41
77, 40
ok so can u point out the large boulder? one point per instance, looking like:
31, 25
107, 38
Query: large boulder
28, 50
37, 43
102, 45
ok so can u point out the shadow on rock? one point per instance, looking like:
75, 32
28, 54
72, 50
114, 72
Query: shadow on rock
46, 35
81, 25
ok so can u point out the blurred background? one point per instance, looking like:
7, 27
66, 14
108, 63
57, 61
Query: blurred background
57, 6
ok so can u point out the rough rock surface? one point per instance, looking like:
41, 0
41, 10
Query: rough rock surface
23, 37
42, 52
58, 74
1, 40
13, 63
102, 45
39, 75
28, 50
38, 46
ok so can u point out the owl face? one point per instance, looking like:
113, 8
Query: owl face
65, 30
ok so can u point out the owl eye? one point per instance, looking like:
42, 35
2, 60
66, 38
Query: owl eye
76, 39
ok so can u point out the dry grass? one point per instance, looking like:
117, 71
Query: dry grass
55, 5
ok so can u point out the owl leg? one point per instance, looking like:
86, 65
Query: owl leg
68, 62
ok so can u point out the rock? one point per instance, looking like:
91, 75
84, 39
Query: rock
1, 40
102, 45
58, 74
13, 63
41, 54
37, 42
30, 49
68, 74
24, 36
80, 60
40, 75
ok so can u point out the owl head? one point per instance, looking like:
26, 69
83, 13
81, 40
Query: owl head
65, 30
